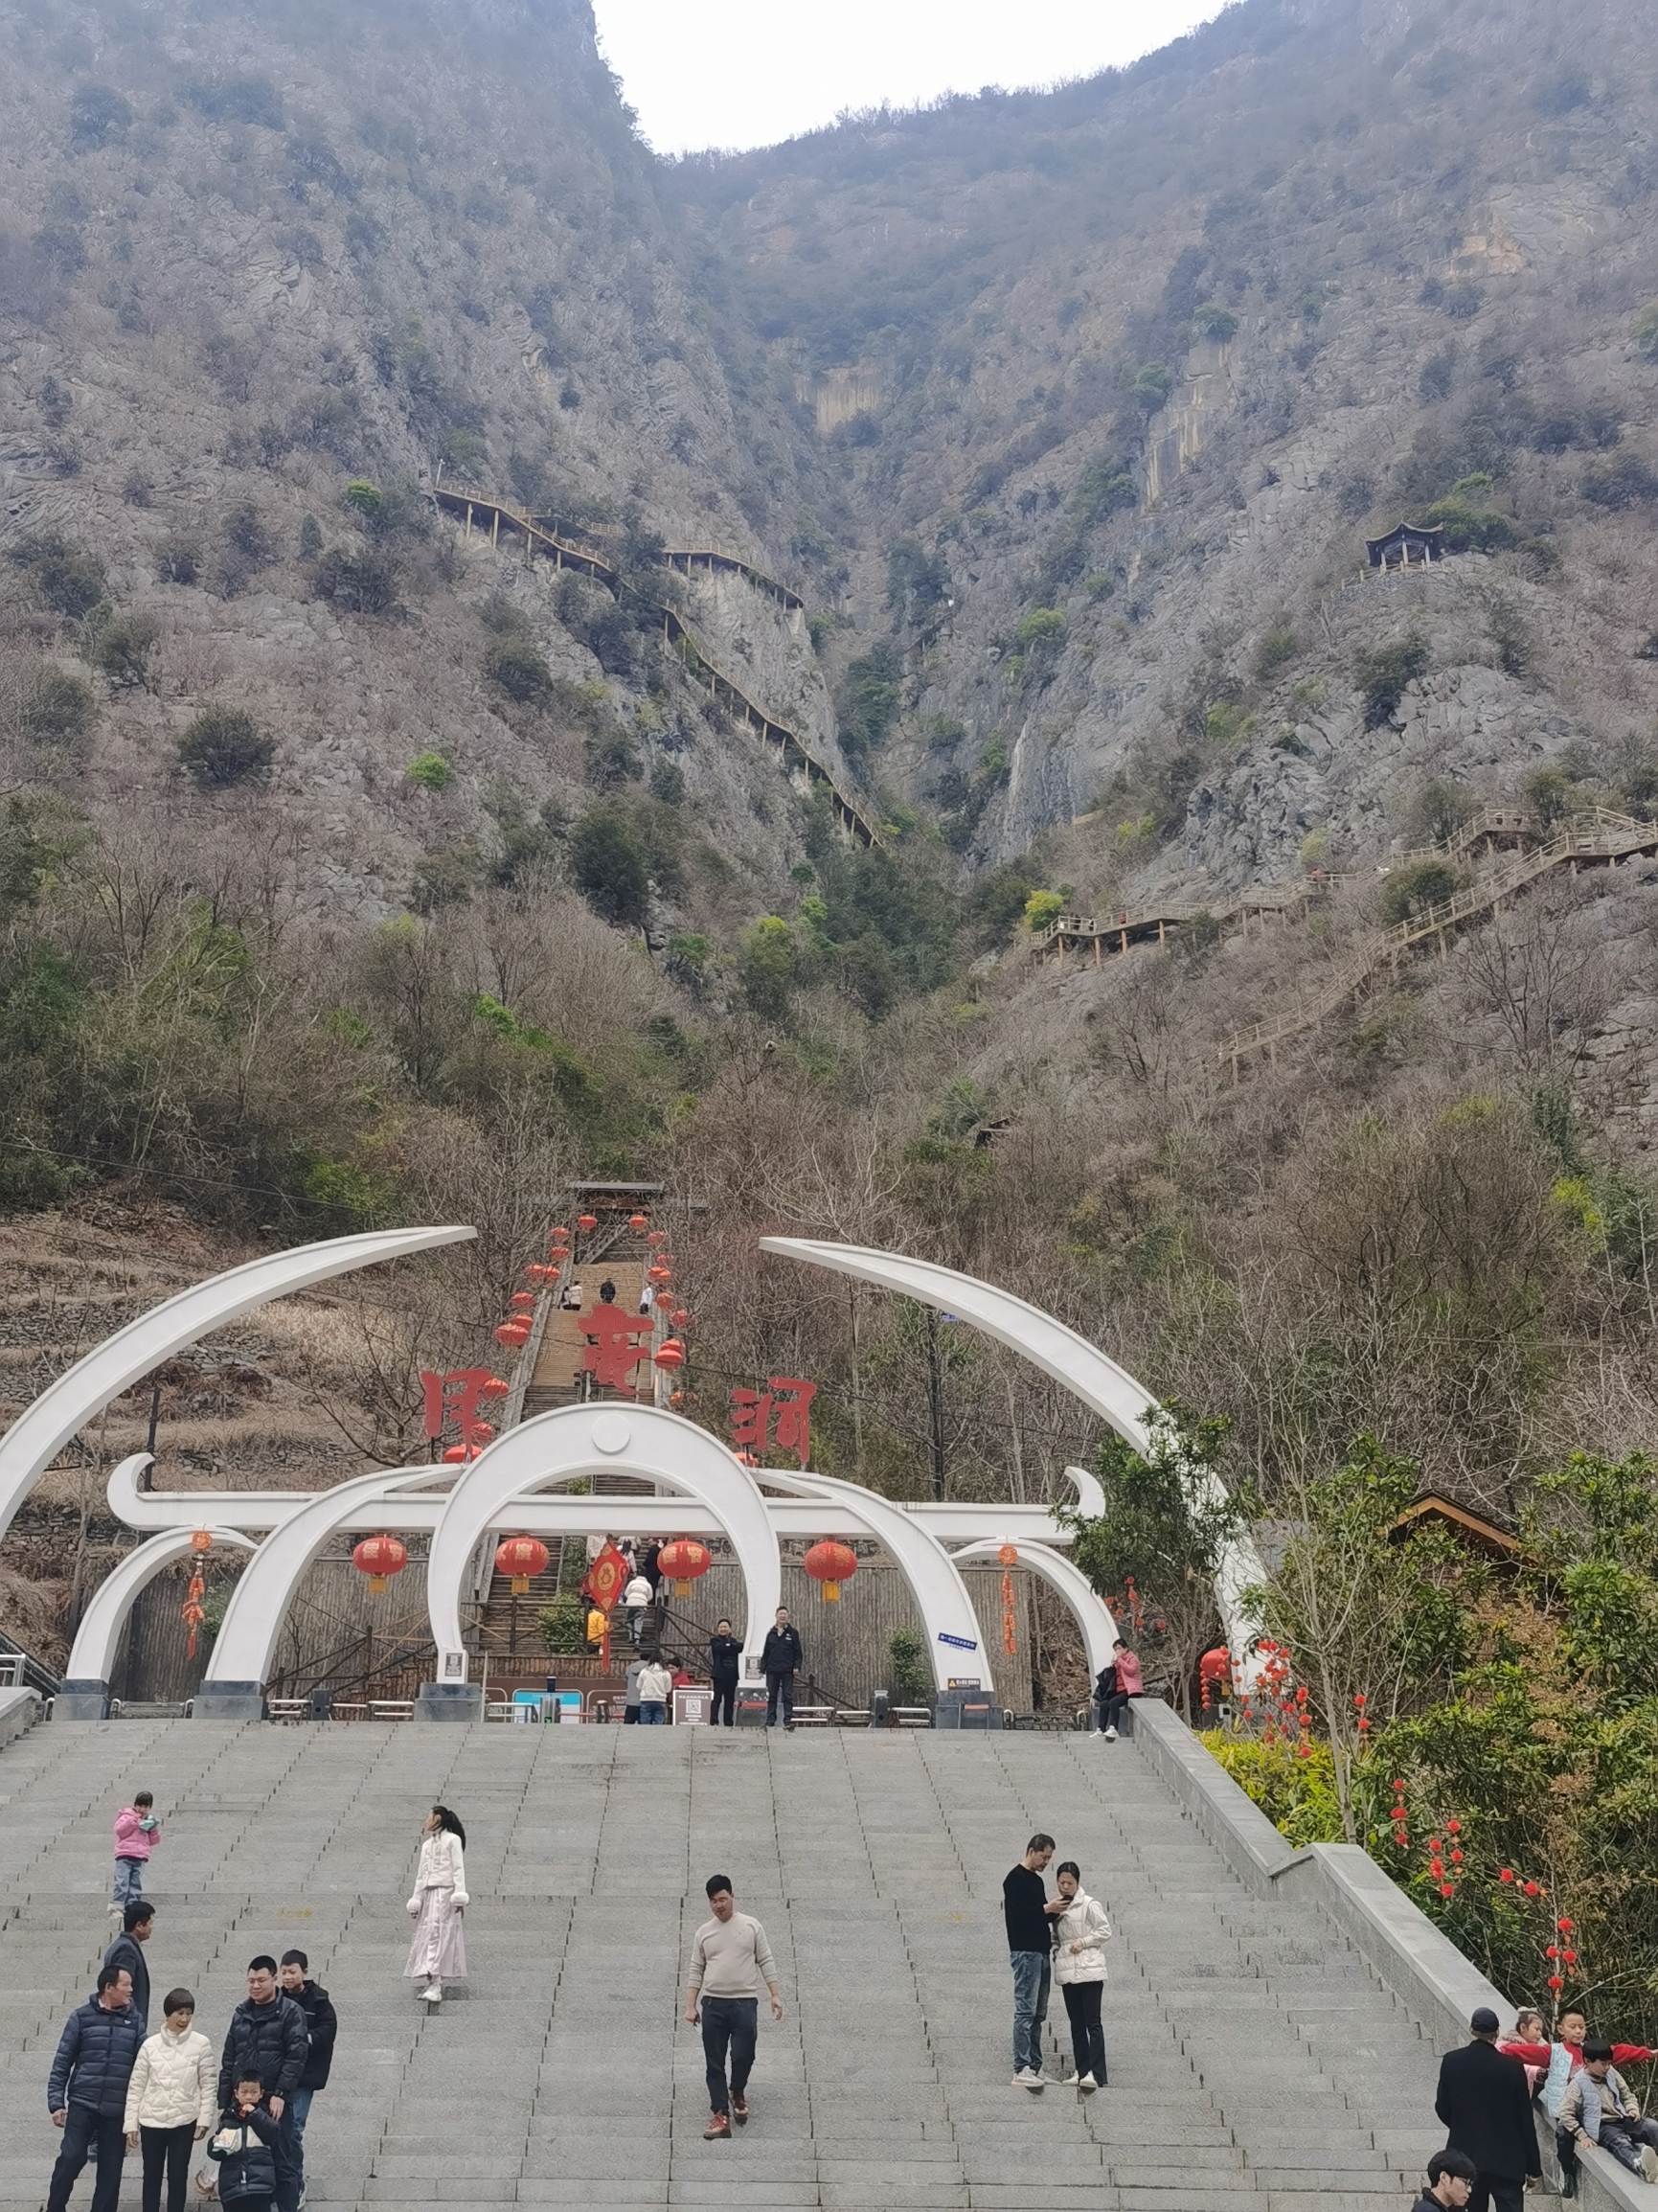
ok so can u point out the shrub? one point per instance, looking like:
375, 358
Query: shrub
237, 100
58, 709
310, 537
97, 114
367, 498
361, 582
607, 866
244, 529
912, 1677
1471, 529
666, 780
69, 583
768, 966
224, 746
1383, 674
61, 246
1215, 321
446, 879
1275, 648
1043, 626
871, 698
431, 771
564, 1624
514, 665
1409, 891
1623, 482
1041, 907
178, 559
123, 647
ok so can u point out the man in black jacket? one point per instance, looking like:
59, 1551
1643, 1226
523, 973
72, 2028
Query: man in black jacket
268, 2041
1484, 2102
778, 1660
86, 2089
322, 2025
724, 1659
138, 1923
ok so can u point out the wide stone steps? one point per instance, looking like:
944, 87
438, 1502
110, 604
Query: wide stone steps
1255, 2065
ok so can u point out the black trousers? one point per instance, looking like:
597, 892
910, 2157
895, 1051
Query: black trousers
81, 2130
1115, 1707
776, 1686
1496, 2193
1087, 2036
724, 1697
728, 2023
169, 2150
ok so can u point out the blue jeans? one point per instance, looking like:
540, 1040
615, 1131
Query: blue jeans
300, 2106
128, 1879
653, 1713
1032, 1973
290, 2160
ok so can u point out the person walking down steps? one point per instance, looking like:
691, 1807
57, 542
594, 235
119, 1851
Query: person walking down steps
729, 1960
170, 2100
439, 1951
1029, 1913
1080, 1934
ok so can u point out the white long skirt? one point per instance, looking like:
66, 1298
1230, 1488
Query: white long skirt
439, 1951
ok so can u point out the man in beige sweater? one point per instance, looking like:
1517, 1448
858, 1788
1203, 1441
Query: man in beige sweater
729, 1960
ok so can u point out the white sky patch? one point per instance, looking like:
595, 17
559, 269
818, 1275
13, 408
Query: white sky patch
746, 72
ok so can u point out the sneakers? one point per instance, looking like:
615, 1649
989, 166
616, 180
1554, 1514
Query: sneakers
1087, 2086
433, 1993
1028, 2077
1110, 1735
718, 2127
1648, 2163
1071, 2082
740, 2110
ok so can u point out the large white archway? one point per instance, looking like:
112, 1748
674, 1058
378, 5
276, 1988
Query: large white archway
39, 1433
1084, 1370
91, 1666
576, 1439
1092, 1614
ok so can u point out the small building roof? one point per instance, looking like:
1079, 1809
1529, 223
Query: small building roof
1469, 1526
1428, 538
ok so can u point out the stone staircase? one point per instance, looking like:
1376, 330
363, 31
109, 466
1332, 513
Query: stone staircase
1254, 2064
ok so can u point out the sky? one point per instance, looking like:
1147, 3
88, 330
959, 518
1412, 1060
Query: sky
745, 73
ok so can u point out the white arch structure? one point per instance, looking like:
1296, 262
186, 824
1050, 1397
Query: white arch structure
39, 1433
1084, 1369
1092, 1615
98, 1639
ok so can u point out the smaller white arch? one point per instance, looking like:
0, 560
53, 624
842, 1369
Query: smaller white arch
98, 1639
1092, 1614
640, 1440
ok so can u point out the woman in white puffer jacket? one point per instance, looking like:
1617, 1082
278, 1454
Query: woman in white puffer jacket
439, 1951
171, 2100
1080, 1934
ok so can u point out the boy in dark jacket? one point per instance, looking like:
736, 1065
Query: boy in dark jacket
322, 2025
245, 2146
86, 2089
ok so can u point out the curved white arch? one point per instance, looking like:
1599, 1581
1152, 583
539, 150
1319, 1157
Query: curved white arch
98, 1639
582, 1440
1084, 1370
39, 1433
253, 1620
1092, 1615
955, 1641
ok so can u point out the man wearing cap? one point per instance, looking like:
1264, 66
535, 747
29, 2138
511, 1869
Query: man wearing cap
1483, 2101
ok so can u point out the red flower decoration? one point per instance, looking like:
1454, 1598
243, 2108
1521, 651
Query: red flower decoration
1506, 1874
1455, 1826
1456, 1858
1570, 1957
1553, 1951
1564, 1927
1447, 1889
1556, 1981
1436, 1867
1531, 1889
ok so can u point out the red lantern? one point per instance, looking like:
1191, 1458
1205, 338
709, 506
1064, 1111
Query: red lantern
659, 1274
558, 1238
1533, 1889
202, 1541
511, 1334
587, 1223
1506, 1874
524, 1301
671, 1357
831, 1564
1564, 1926
481, 1434
521, 1557
379, 1555
656, 1239
679, 1317
639, 1224
495, 1388
682, 1559
1447, 1889
1556, 1981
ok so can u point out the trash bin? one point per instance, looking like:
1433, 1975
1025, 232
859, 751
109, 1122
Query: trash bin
966, 1709
322, 1706
881, 1709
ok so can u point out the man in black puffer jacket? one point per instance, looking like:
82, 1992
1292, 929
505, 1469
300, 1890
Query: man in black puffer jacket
86, 2089
268, 2041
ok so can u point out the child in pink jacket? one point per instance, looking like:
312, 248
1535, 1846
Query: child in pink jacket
137, 1831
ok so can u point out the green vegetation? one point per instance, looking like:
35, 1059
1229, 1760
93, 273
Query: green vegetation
68, 582
517, 667
1274, 650
607, 866
431, 771
1646, 333
870, 699
563, 1624
1215, 321
1382, 673
358, 582
912, 1678
224, 746
97, 115
1041, 908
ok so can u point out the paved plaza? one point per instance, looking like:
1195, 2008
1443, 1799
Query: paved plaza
1254, 2064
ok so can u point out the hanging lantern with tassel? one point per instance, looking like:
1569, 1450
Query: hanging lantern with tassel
194, 1612
1008, 1553
831, 1564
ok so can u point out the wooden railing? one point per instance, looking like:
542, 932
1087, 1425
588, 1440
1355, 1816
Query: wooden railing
476, 507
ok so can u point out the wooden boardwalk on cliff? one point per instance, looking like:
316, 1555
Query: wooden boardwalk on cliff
475, 511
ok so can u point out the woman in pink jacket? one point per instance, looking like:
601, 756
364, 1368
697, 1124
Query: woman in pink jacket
1118, 1683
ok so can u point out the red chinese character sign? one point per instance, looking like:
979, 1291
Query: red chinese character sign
779, 1414
454, 1397
615, 1345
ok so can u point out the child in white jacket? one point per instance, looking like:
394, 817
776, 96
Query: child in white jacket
171, 2100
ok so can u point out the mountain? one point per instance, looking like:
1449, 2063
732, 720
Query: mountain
518, 658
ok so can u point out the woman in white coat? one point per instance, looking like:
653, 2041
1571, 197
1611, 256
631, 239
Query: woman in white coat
439, 1951
1080, 1934
171, 2100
